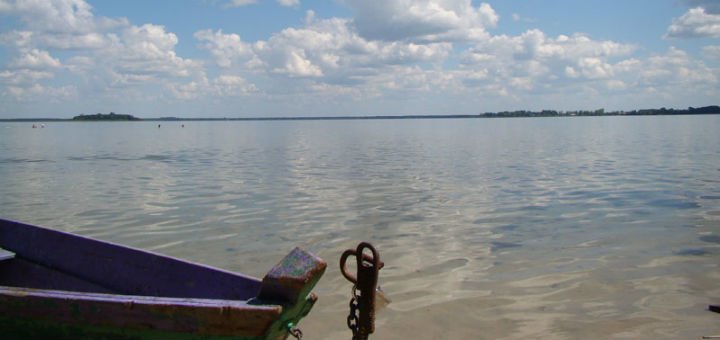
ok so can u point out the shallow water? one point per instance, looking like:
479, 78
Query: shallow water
553, 228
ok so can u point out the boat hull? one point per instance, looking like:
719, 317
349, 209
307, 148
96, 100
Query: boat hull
60, 285
90, 314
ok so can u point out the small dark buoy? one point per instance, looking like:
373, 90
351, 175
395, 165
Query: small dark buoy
158, 126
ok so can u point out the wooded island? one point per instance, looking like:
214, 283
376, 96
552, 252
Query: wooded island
111, 116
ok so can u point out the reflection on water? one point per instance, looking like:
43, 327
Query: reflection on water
553, 228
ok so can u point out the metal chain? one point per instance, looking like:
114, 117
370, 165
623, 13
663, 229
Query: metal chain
294, 331
297, 333
352, 319
361, 319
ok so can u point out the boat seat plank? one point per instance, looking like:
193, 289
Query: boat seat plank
6, 255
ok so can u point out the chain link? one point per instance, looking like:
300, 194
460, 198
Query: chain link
294, 331
352, 319
297, 333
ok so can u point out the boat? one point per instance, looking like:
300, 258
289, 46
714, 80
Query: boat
55, 285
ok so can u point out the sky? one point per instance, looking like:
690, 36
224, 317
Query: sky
272, 58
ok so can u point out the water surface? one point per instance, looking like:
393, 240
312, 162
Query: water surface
553, 228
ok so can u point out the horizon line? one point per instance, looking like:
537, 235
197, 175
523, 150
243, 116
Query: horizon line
502, 114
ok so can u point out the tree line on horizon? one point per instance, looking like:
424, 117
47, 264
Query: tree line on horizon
713, 109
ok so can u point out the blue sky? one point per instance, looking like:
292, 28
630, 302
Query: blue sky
245, 58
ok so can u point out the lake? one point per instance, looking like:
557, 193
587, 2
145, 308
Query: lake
524, 228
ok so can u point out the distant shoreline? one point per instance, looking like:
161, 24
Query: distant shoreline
708, 110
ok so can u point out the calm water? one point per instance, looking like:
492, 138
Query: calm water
554, 228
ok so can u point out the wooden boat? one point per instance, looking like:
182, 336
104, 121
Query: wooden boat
58, 285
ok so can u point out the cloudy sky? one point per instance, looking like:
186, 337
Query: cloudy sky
251, 58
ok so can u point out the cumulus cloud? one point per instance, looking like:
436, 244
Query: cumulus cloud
110, 53
422, 21
62, 24
390, 50
240, 3
36, 59
90, 40
17, 39
24, 77
676, 67
70, 16
36, 91
533, 59
289, 3
710, 6
145, 53
222, 86
25, 73
331, 48
225, 48
325, 57
696, 23
712, 52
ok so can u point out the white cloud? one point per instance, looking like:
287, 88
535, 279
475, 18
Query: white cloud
289, 3
615, 84
55, 40
696, 23
67, 16
411, 53
36, 59
331, 57
710, 6
332, 49
534, 44
62, 24
18, 39
149, 41
667, 79
222, 86
24, 77
240, 3
676, 69
39, 92
145, 53
534, 59
109, 53
422, 21
226, 85
76, 41
296, 63
225, 48
712, 52
595, 68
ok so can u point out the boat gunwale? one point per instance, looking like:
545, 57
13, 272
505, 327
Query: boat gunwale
134, 299
118, 245
135, 271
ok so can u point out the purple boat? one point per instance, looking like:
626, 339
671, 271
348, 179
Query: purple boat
60, 285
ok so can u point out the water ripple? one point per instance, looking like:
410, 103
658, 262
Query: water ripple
521, 228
